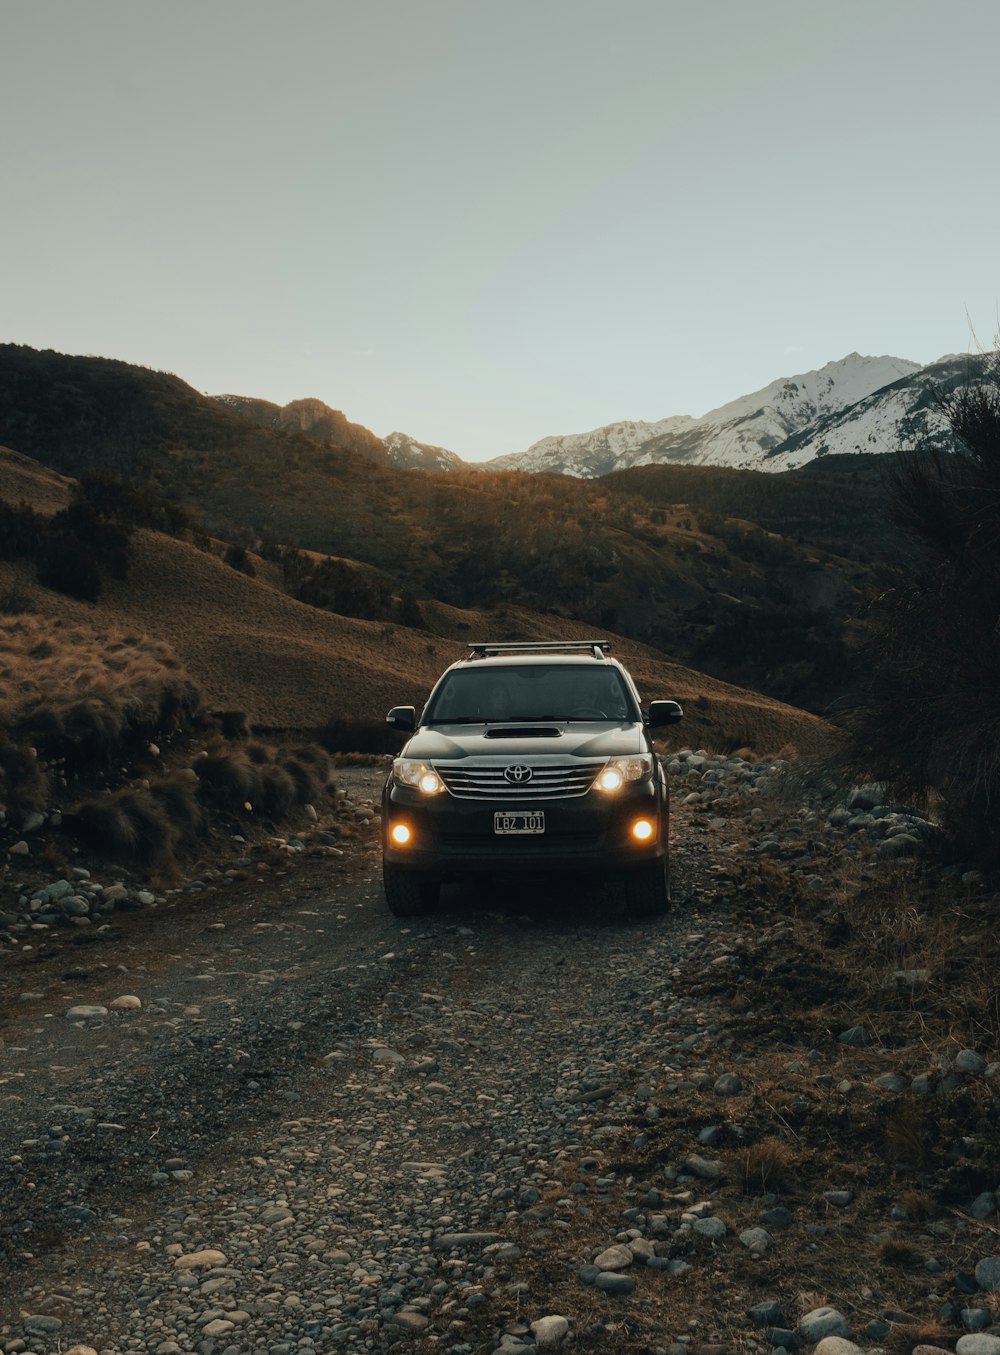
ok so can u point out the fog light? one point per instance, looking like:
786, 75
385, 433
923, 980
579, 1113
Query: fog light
400, 834
642, 830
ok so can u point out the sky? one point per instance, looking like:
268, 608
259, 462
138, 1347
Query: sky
481, 222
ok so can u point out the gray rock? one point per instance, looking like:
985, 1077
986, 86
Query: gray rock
858, 1036
983, 1205
840, 1199
756, 1239
86, 1012
978, 1343
42, 1323
706, 1168
33, 822
968, 1061
822, 1322
988, 1274
975, 1319
769, 1313
613, 1283
899, 847
549, 1331
614, 1258
714, 1229
448, 1241
729, 1084
19, 849
588, 1274
778, 1217
837, 1345
415, 1323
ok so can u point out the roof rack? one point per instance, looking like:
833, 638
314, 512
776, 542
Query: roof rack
596, 647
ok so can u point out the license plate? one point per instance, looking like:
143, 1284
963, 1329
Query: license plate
527, 821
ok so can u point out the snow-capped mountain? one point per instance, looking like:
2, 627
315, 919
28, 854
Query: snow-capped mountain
410, 454
786, 424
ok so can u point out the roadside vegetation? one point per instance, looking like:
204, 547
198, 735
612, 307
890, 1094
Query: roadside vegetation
928, 724
107, 729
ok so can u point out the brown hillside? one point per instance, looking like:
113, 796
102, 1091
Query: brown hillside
250, 647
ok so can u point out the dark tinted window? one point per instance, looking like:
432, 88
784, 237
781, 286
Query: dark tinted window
531, 692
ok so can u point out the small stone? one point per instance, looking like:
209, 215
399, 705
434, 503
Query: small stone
128, 1002
33, 822
218, 1327
449, 1240
196, 1260
614, 1258
782, 1339
729, 1084
767, 1314
19, 849
613, 1283
706, 1168
822, 1322
414, 1323
840, 1199
968, 1061
86, 1013
978, 1343
42, 1323
778, 1217
975, 1319
837, 1345
588, 1274
80, 1350
983, 1205
988, 1274
714, 1229
857, 1036
549, 1331
756, 1239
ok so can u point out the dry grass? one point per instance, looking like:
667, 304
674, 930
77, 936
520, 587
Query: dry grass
77, 692
766, 1166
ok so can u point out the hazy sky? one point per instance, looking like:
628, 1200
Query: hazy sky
482, 223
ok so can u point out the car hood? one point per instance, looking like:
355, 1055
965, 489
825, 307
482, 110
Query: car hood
509, 743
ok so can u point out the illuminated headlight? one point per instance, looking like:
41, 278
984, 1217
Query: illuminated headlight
622, 769
409, 772
400, 834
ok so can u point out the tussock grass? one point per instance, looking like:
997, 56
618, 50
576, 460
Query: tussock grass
87, 695
766, 1166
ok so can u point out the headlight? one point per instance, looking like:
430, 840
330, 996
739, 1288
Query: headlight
421, 776
621, 769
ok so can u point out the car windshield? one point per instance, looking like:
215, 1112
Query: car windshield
536, 691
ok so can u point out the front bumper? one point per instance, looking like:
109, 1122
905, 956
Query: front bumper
452, 838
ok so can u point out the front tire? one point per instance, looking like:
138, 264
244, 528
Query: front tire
647, 891
408, 894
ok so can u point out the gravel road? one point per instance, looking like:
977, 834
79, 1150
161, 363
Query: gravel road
324, 1128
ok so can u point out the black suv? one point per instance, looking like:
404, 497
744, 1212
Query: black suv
528, 757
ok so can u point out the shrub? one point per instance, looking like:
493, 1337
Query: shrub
66, 565
238, 558
132, 822
929, 720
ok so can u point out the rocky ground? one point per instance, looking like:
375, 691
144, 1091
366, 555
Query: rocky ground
258, 1113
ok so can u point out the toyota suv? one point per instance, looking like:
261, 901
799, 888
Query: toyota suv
528, 758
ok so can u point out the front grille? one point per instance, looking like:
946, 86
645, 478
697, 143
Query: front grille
549, 781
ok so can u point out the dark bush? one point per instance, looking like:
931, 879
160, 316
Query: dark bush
68, 566
929, 722
238, 558
20, 530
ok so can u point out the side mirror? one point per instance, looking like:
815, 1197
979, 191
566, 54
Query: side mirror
403, 717
664, 713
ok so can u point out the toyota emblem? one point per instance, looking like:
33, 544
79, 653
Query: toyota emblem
518, 774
